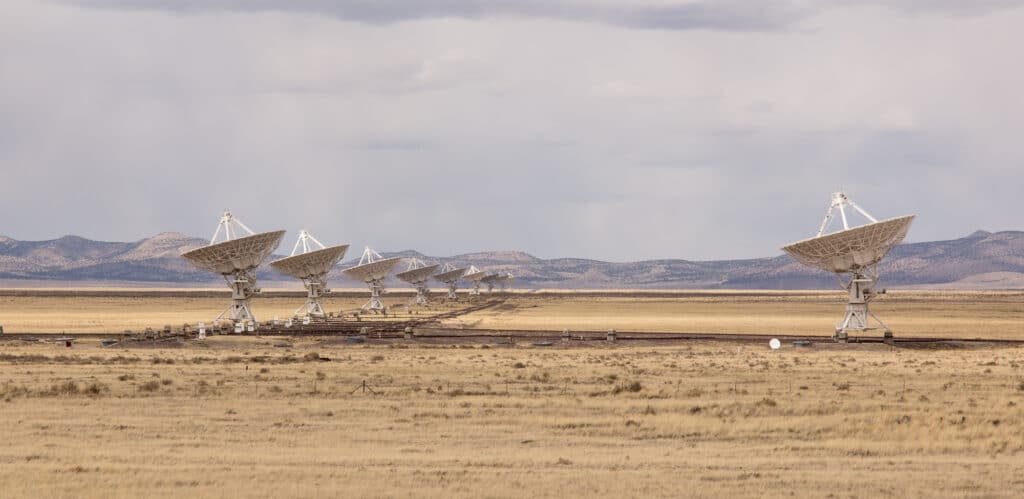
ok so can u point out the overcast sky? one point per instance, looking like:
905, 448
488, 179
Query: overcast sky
611, 130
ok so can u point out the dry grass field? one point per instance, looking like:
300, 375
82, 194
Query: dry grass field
276, 417
954, 314
988, 314
238, 416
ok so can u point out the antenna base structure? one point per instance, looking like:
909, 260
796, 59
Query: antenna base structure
243, 287
316, 288
860, 288
376, 303
854, 253
422, 294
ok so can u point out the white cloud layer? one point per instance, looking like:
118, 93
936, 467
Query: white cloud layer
597, 129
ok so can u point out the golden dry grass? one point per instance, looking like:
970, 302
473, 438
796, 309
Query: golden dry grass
908, 313
114, 314
238, 417
997, 315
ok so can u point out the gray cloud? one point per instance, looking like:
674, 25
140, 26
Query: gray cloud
723, 15
727, 15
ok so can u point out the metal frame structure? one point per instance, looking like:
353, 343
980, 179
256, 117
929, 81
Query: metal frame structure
311, 266
854, 252
418, 274
373, 269
236, 259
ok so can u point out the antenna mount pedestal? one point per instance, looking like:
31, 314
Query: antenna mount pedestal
316, 288
243, 286
861, 290
422, 294
376, 304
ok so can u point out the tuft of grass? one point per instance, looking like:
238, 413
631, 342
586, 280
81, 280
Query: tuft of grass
150, 386
632, 387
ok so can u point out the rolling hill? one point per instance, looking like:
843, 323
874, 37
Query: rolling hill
982, 260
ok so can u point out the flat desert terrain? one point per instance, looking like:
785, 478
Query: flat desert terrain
323, 417
956, 314
238, 416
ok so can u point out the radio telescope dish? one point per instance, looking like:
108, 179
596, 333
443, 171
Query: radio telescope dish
418, 274
476, 276
856, 252
501, 280
450, 275
311, 266
490, 280
373, 269
236, 258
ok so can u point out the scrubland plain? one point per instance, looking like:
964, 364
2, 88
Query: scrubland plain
242, 417
955, 314
274, 417
948, 314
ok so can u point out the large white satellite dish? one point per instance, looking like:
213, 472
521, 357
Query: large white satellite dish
373, 269
418, 274
450, 275
236, 258
311, 265
856, 252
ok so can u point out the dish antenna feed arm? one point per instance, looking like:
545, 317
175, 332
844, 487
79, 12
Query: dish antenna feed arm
840, 201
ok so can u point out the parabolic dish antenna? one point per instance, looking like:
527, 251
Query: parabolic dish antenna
236, 258
774, 344
856, 252
450, 275
501, 280
475, 276
311, 265
373, 269
418, 274
490, 280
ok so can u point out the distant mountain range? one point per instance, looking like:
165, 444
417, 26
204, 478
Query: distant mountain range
982, 260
